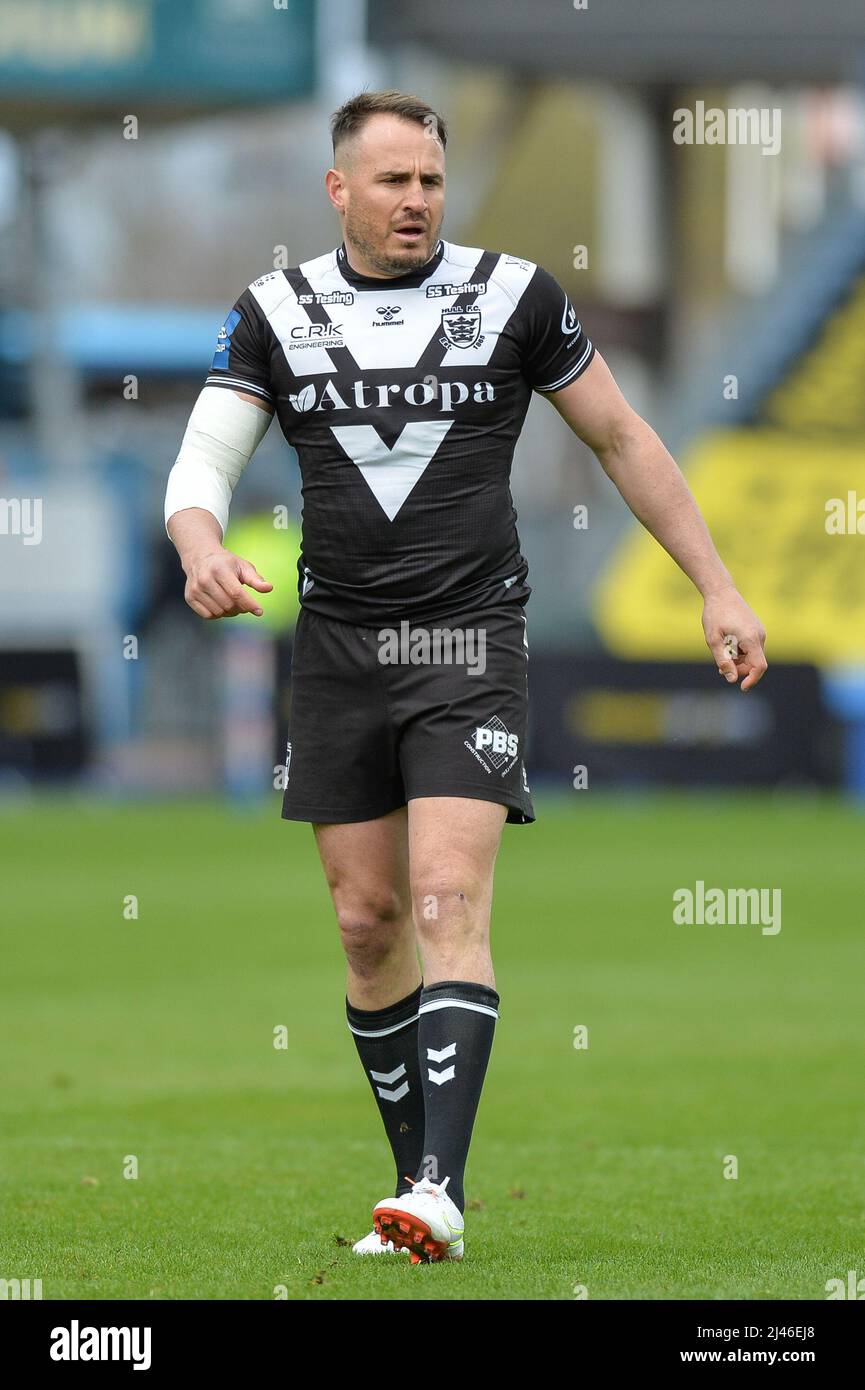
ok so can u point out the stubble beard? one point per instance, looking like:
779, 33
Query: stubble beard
358, 235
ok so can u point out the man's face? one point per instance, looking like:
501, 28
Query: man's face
389, 188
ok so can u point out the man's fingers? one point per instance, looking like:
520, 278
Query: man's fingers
752, 659
244, 602
250, 575
758, 666
217, 587
724, 662
200, 608
225, 597
735, 637
749, 661
211, 590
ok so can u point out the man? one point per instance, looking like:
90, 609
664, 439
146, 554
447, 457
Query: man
401, 367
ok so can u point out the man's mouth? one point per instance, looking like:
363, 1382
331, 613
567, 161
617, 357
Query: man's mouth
410, 231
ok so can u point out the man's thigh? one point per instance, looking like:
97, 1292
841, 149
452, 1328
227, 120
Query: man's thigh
366, 864
452, 844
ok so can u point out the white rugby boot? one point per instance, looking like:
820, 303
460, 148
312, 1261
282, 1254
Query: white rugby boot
425, 1222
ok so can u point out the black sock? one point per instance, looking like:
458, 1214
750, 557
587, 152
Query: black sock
386, 1041
455, 1037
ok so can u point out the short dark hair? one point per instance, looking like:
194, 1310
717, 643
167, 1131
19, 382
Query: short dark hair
354, 113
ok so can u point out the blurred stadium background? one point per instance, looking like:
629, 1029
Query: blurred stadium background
155, 158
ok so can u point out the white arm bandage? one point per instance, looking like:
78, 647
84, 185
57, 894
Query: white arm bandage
222, 435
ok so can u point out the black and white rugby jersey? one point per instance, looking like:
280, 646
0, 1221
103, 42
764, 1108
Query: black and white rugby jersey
404, 399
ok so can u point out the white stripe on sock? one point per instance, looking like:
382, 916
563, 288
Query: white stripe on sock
458, 1004
381, 1032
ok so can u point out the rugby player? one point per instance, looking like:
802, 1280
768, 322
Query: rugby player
400, 367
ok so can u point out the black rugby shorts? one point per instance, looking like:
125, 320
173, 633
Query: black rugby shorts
379, 716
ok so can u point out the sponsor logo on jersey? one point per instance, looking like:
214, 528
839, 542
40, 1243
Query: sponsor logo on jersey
515, 260
322, 335
388, 317
467, 287
447, 395
570, 322
494, 746
335, 297
321, 332
223, 342
462, 328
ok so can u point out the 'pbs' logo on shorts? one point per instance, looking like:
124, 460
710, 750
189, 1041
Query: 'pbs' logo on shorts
498, 741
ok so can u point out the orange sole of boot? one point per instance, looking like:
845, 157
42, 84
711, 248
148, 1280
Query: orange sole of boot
406, 1231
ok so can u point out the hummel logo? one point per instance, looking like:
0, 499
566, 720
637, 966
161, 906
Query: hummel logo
388, 316
570, 322
440, 1077
389, 1077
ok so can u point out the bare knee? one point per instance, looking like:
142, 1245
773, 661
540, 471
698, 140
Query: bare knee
448, 904
371, 928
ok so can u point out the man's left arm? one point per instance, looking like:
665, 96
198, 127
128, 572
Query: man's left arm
649, 480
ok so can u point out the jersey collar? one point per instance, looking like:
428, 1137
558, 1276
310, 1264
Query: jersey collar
409, 281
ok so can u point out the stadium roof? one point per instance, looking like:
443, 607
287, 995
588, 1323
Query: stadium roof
682, 41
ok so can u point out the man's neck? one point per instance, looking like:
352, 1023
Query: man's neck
361, 267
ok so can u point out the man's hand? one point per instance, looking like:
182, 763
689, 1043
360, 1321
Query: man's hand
214, 585
726, 614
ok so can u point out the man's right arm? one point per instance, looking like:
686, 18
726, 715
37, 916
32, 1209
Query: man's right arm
221, 437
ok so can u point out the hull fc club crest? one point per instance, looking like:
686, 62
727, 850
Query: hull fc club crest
462, 328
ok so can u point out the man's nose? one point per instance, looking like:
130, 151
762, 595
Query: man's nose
415, 197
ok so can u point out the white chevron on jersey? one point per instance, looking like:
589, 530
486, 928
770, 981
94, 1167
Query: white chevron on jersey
375, 342
392, 473
504, 290
280, 307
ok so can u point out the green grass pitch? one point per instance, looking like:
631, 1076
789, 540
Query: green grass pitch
601, 1167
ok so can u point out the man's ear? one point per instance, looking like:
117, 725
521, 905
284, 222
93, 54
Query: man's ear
334, 182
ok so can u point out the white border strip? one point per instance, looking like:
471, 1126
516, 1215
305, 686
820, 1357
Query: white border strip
458, 1004
382, 1032
562, 381
219, 379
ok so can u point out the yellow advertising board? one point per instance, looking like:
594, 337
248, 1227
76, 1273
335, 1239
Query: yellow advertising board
787, 513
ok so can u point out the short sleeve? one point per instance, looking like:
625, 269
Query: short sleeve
555, 349
240, 359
